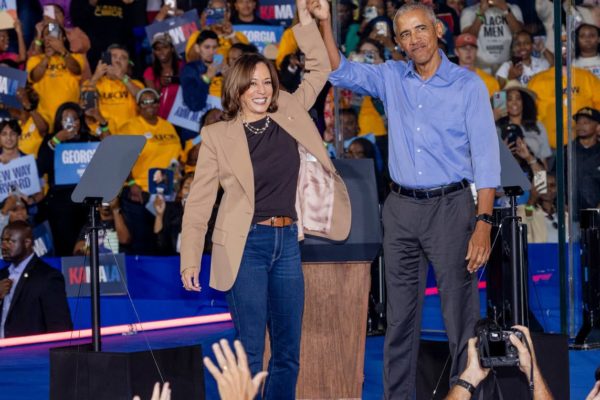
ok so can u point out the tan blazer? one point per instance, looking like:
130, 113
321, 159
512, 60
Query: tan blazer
322, 201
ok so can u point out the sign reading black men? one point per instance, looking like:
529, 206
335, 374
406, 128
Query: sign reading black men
179, 28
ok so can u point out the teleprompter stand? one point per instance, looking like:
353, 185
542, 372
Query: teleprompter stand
508, 277
85, 372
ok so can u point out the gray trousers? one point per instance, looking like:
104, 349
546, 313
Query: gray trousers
417, 232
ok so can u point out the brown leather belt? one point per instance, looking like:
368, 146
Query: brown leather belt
277, 222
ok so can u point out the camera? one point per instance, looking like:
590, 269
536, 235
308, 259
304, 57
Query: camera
511, 133
494, 346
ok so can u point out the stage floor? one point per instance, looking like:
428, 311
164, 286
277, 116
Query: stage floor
24, 371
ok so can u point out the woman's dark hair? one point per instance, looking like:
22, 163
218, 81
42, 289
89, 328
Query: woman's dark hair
13, 124
368, 147
529, 113
239, 79
371, 25
577, 47
157, 67
244, 47
84, 130
375, 43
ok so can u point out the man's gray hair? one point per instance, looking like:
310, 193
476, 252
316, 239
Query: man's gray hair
413, 7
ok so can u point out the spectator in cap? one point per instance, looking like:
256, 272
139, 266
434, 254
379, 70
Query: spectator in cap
245, 13
523, 65
163, 75
466, 50
493, 23
586, 159
162, 150
522, 111
116, 90
587, 48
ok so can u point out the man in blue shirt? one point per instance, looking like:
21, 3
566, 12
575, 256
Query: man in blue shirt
442, 137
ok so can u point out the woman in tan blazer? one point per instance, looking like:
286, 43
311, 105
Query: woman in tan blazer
279, 184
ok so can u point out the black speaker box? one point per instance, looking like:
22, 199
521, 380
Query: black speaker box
78, 373
551, 351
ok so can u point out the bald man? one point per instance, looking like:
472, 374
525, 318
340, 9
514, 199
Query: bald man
32, 293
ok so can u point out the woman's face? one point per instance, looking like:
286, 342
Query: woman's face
162, 52
185, 188
370, 52
70, 121
256, 100
9, 139
523, 46
4, 40
514, 103
588, 39
355, 150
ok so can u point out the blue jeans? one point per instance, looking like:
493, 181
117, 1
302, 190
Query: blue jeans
268, 293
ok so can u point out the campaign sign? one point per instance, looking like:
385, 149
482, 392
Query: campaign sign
71, 160
11, 79
279, 12
182, 116
19, 175
261, 35
8, 13
179, 28
112, 272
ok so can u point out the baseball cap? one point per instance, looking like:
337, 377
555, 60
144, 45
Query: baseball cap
163, 38
139, 94
465, 39
588, 112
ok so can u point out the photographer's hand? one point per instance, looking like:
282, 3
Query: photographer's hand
527, 361
595, 393
472, 374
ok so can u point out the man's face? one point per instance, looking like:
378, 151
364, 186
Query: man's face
15, 247
120, 59
585, 127
349, 126
245, 8
148, 106
207, 50
418, 36
466, 55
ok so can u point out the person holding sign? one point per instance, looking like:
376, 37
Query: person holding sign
279, 184
5, 43
65, 217
56, 72
162, 149
217, 17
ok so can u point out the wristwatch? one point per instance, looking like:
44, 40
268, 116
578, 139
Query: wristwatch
464, 384
487, 218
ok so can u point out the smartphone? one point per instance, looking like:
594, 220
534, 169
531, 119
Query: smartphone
215, 16
53, 30
370, 13
499, 101
172, 4
218, 59
381, 27
89, 99
49, 12
540, 182
107, 58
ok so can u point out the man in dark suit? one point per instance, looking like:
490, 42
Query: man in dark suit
32, 293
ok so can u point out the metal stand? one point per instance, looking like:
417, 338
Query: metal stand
588, 336
93, 203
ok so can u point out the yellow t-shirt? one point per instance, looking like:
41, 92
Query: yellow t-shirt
585, 90
287, 45
115, 102
31, 139
162, 146
369, 120
490, 82
225, 44
57, 86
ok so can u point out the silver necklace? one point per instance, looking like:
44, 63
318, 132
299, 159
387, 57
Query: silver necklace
257, 131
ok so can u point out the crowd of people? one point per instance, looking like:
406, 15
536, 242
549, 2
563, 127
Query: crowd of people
86, 82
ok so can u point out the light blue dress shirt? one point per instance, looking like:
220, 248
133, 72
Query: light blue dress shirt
14, 274
440, 130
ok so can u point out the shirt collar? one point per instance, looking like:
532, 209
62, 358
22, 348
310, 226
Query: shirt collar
443, 70
21, 266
